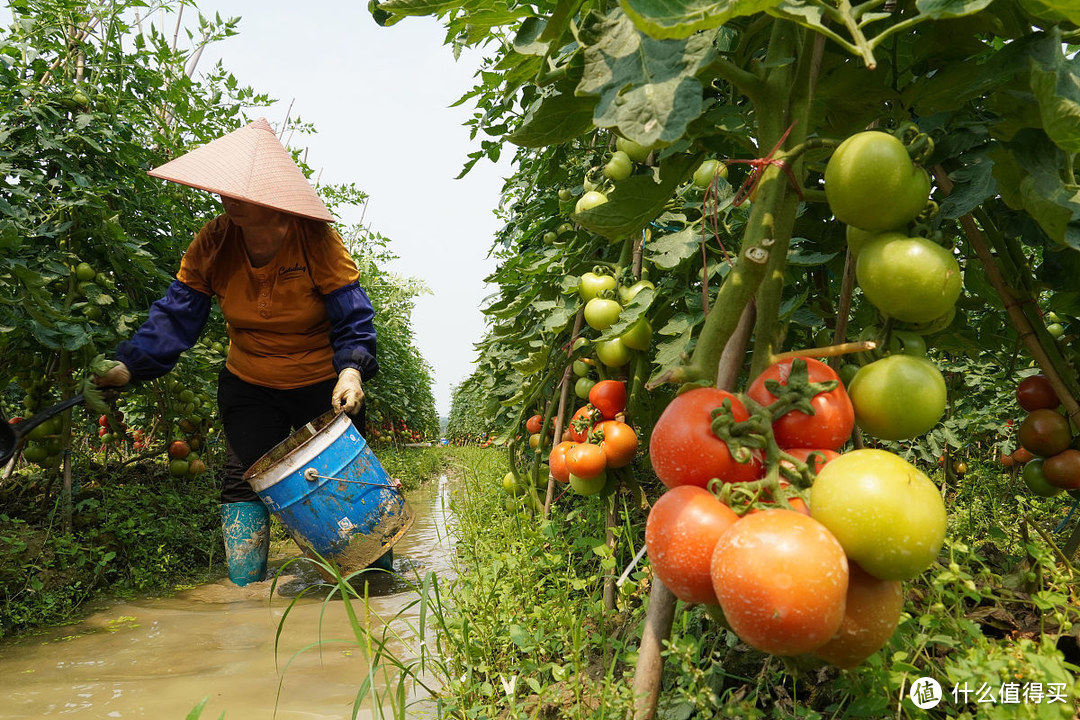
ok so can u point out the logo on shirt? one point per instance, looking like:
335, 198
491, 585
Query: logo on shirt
286, 272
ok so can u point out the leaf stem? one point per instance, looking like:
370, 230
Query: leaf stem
825, 352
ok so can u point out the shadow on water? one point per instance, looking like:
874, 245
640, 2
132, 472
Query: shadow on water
158, 657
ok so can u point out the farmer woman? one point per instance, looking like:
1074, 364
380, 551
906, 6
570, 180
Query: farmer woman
301, 338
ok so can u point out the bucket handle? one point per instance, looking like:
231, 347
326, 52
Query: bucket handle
312, 474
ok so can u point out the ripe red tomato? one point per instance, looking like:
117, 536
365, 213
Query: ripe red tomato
609, 397
557, 461
871, 614
581, 423
620, 443
887, 514
821, 456
533, 424
834, 417
680, 534
683, 448
586, 460
178, 450
1035, 393
1063, 470
781, 579
1045, 432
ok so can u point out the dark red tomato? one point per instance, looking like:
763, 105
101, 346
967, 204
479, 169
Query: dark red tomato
557, 461
581, 423
683, 448
609, 397
1021, 455
533, 424
781, 578
1045, 432
620, 443
1063, 470
1035, 393
834, 417
680, 534
871, 614
821, 456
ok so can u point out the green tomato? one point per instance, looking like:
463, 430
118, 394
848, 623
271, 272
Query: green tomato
84, 272
510, 484
888, 516
909, 278
1056, 330
639, 335
590, 200
707, 170
550, 237
565, 194
871, 183
583, 386
619, 167
1036, 481
857, 238
898, 397
601, 313
591, 285
637, 152
581, 368
628, 293
565, 229
613, 353
588, 486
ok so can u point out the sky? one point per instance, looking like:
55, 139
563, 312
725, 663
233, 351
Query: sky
380, 100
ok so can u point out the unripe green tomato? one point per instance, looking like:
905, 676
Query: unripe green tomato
613, 353
707, 170
871, 182
1036, 481
581, 368
639, 335
565, 194
588, 185
550, 237
1056, 330
898, 397
637, 152
619, 167
84, 272
601, 313
628, 293
909, 278
583, 386
590, 200
565, 228
588, 486
887, 514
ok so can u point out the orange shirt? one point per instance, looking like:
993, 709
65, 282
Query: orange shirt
276, 319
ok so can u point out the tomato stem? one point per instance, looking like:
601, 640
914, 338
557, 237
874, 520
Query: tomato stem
828, 351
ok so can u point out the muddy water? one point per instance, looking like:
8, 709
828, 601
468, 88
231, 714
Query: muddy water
157, 658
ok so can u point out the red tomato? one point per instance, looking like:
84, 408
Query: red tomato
781, 579
822, 456
620, 443
533, 424
1035, 393
683, 448
586, 460
581, 423
680, 535
557, 461
1022, 455
1063, 470
834, 417
871, 614
609, 397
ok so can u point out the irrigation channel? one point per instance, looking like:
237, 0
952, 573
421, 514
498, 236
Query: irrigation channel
159, 657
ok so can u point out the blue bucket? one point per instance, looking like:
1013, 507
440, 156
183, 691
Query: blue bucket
330, 492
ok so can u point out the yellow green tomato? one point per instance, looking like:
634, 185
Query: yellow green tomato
619, 166
888, 516
629, 292
871, 182
591, 199
639, 335
707, 170
583, 386
857, 238
613, 353
510, 484
636, 152
601, 313
588, 486
592, 284
898, 397
912, 279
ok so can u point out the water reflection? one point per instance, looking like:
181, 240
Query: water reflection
156, 658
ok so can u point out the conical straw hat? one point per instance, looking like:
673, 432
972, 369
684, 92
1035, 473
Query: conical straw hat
248, 164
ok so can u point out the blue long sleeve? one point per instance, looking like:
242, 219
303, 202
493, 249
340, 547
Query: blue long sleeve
352, 329
174, 325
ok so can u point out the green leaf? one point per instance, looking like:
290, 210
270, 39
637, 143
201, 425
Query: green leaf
667, 252
681, 18
1057, 89
417, 7
647, 88
555, 119
527, 41
974, 183
1053, 10
1029, 178
560, 20
637, 200
939, 9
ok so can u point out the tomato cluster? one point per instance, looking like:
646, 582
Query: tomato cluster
802, 547
604, 301
597, 440
1048, 452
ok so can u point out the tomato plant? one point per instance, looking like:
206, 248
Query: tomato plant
886, 513
833, 418
683, 448
681, 532
781, 579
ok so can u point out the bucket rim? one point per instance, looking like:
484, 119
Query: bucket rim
318, 426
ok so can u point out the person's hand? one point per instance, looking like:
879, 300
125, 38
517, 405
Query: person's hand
349, 391
117, 375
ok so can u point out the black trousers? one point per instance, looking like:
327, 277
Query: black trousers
257, 418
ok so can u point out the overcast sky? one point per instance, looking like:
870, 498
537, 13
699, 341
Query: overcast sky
380, 99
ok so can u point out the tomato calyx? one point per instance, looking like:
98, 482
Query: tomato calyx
798, 392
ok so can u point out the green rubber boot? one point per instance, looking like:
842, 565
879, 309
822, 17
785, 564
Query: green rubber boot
246, 527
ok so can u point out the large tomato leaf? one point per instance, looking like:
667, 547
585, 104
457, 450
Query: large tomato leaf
630, 314
637, 200
1053, 10
973, 184
554, 119
1028, 173
647, 88
1057, 88
681, 18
